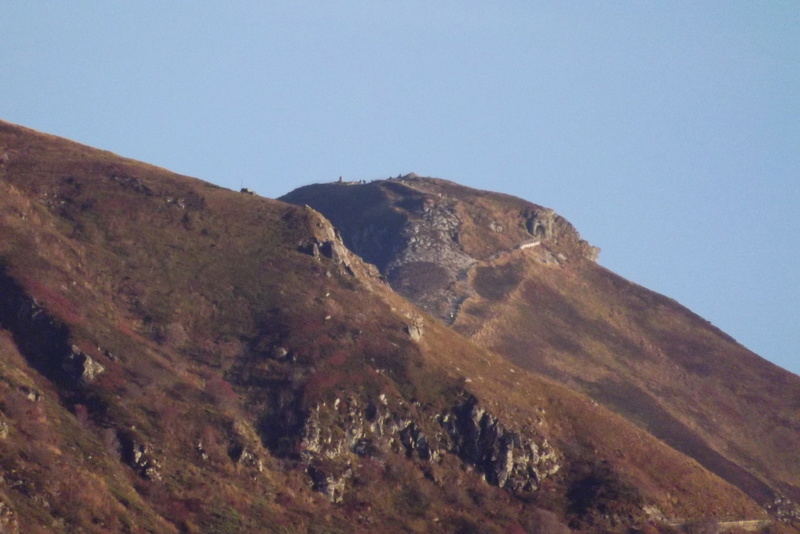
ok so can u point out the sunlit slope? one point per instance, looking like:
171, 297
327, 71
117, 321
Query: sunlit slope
516, 278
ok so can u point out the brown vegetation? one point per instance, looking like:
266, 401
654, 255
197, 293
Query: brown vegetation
218, 335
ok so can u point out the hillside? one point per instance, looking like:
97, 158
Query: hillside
177, 357
516, 278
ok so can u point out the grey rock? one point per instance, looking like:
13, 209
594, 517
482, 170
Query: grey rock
329, 484
241, 455
139, 456
201, 450
30, 393
8, 520
3, 427
506, 458
80, 367
541, 223
414, 331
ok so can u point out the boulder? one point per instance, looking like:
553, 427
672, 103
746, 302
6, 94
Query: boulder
80, 367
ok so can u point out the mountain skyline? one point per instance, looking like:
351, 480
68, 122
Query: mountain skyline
204, 360
666, 132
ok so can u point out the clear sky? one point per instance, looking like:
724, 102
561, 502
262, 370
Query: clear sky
667, 132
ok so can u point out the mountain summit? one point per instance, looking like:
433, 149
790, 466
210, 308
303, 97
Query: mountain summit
431, 237
178, 357
516, 278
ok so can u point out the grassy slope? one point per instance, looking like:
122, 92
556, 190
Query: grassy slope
639, 353
188, 286
659, 365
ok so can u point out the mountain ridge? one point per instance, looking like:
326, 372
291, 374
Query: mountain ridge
517, 289
222, 362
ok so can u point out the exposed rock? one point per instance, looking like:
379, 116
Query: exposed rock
326, 242
279, 353
3, 427
242, 456
541, 223
506, 458
200, 448
331, 485
333, 250
414, 330
428, 258
784, 509
495, 227
8, 520
590, 252
80, 367
310, 247
133, 183
139, 456
43, 340
30, 393
415, 441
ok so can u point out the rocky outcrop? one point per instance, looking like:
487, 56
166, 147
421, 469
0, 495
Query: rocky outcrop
427, 235
3, 427
414, 328
81, 368
329, 482
429, 258
784, 509
42, 339
506, 458
541, 223
546, 224
326, 242
8, 520
246, 458
139, 456
334, 436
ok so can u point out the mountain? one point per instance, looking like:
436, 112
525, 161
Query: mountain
178, 357
516, 278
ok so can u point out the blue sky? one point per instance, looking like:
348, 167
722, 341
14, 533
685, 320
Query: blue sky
667, 132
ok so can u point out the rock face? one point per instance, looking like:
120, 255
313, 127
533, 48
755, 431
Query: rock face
139, 456
430, 252
507, 458
80, 367
243, 456
427, 239
326, 242
333, 436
